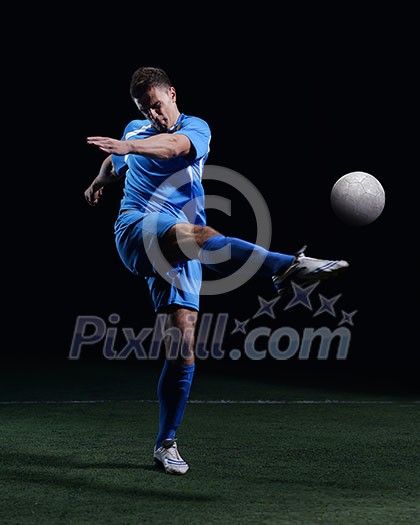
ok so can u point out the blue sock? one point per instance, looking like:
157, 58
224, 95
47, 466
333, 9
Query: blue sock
240, 252
173, 391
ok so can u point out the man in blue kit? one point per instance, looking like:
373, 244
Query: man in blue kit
162, 218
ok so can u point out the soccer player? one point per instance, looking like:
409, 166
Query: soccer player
162, 212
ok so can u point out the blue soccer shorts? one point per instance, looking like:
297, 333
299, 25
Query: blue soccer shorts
137, 240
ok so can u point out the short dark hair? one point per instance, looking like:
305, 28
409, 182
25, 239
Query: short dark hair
145, 78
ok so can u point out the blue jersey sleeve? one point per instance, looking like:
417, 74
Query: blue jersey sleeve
198, 132
119, 163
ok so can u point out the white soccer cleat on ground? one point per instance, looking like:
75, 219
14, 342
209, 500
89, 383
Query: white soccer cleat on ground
307, 270
168, 457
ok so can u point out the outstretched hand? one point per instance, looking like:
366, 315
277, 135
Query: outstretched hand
117, 147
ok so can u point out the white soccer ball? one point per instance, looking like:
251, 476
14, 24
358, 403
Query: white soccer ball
357, 198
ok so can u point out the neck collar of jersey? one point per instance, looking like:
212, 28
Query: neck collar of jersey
176, 126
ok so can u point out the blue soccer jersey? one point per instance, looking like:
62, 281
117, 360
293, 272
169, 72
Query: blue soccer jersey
172, 186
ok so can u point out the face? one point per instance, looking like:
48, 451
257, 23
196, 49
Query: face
159, 106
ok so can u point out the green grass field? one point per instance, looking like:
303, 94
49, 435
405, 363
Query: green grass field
76, 448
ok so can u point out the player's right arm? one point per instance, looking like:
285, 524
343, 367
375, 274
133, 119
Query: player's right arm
107, 175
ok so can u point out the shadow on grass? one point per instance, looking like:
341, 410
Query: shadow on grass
67, 462
20, 468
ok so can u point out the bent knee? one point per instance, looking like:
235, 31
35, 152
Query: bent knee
203, 233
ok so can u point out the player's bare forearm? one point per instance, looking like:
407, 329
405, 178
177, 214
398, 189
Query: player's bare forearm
106, 174
105, 177
161, 146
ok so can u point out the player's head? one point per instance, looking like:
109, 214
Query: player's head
155, 96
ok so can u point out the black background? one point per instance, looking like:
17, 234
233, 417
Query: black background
294, 101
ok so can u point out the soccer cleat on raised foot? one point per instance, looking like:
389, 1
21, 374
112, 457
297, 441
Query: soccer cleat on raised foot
168, 457
306, 270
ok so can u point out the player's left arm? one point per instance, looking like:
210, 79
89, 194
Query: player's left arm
161, 146
107, 175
